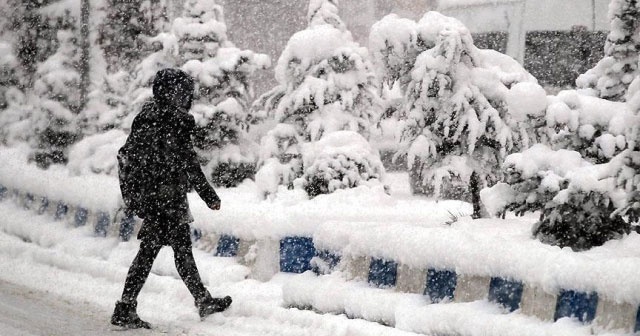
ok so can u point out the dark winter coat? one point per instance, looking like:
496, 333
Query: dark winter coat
161, 140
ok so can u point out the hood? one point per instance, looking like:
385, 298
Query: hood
173, 87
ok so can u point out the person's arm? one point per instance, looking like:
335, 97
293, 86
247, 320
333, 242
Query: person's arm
195, 175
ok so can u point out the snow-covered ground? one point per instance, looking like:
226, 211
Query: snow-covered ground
61, 281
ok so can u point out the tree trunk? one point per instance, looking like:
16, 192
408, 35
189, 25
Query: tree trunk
474, 187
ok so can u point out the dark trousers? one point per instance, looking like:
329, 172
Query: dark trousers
141, 267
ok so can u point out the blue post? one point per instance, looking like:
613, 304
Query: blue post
61, 211
576, 304
196, 234
227, 246
296, 254
383, 273
507, 293
637, 328
127, 224
441, 285
80, 219
102, 224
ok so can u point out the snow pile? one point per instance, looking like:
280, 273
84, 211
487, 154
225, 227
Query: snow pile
94, 192
526, 100
411, 312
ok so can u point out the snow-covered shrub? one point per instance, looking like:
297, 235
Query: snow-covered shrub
223, 92
16, 123
576, 199
8, 71
465, 111
595, 128
325, 80
57, 86
611, 77
96, 154
280, 159
340, 160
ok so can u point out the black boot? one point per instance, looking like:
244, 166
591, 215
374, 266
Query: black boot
125, 315
209, 305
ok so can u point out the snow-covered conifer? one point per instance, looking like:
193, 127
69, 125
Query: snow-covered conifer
611, 77
459, 120
125, 26
577, 199
57, 87
8, 71
325, 80
223, 92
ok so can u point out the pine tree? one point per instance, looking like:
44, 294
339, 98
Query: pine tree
459, 120
57, 85
611, 77
8, 71
224, 90
127, 23
326, 83
14, 110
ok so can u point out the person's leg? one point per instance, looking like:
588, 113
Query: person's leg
139, 271
186, 266
125, 313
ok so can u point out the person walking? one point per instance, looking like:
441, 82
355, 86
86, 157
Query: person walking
157, 167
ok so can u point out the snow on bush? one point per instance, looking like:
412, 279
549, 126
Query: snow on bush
611, 77
280, 159
8, 75
97, 154
340, 160
576, 198
16, 123
15, 112
58, 89
596, 128
325, 80
458, 103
